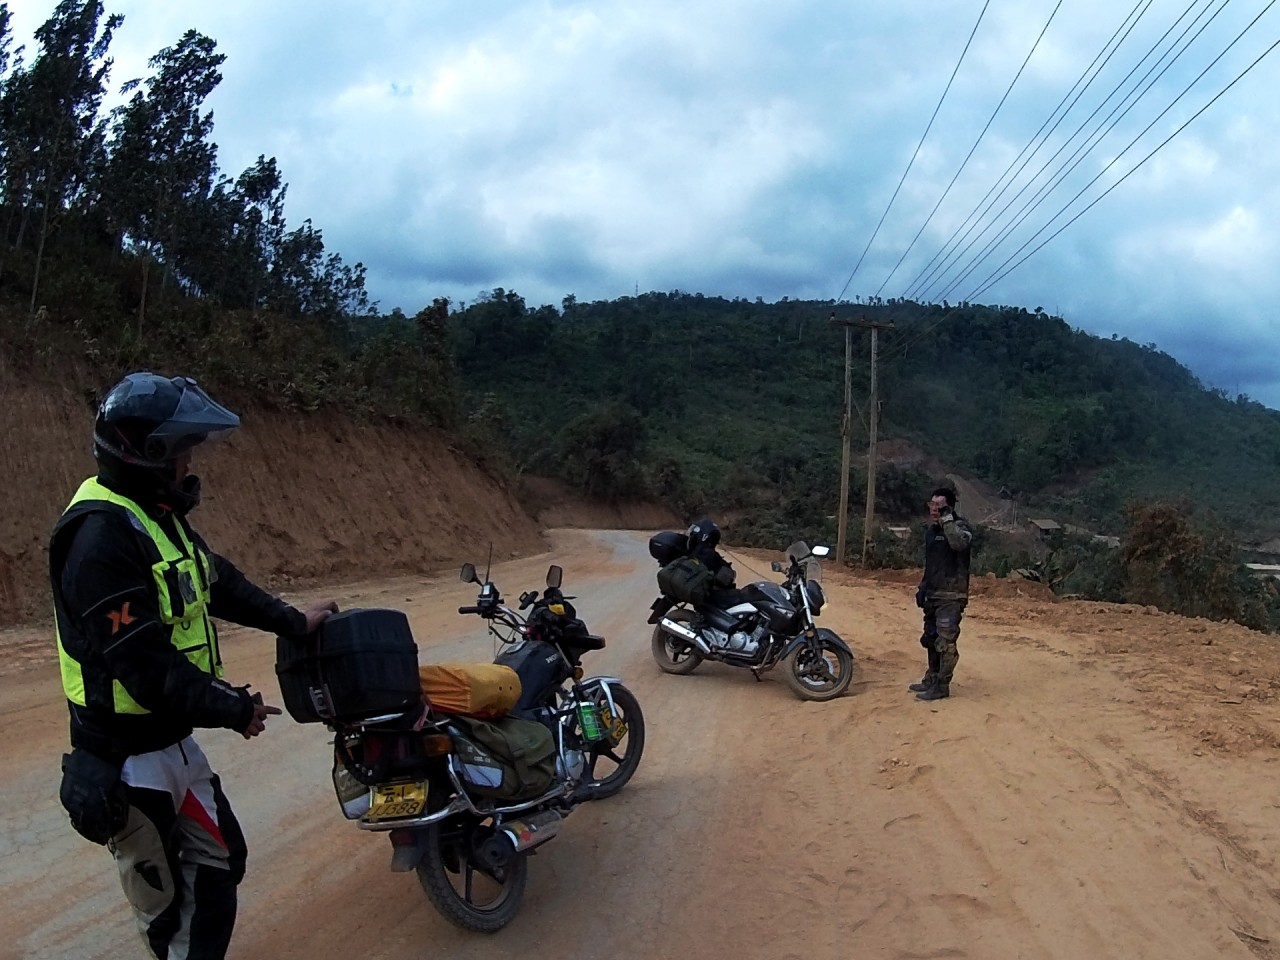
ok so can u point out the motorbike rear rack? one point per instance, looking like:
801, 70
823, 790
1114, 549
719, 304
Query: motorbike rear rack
462, 804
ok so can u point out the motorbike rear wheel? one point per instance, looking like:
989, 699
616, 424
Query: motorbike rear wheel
672, 654
819, 677
606, 751
472, 896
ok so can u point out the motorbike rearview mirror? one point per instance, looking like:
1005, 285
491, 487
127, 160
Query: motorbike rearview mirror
776, 566
469, 573
555, 576
821, 551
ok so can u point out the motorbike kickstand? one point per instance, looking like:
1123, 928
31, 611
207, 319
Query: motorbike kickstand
755, 672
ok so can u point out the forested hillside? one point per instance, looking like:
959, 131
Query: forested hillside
124, 244
732, 402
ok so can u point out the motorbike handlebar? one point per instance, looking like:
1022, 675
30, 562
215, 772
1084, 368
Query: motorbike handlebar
469, 610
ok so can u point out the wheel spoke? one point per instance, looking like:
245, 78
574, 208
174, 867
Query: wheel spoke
467, 895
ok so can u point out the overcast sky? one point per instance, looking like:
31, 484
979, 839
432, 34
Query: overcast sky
750, 148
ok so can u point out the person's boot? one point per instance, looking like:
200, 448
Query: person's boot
930, 674
927, 681
938, 691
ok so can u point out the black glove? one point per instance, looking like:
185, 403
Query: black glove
920, 596
248, 702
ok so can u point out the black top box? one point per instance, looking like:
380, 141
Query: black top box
360, 664
667, 546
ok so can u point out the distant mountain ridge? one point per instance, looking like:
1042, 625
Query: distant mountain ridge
730, 396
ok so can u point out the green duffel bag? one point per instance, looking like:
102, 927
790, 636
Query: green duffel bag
507, 758
686, 580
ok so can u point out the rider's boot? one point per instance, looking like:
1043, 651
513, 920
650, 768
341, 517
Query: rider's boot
927, 681
939, 691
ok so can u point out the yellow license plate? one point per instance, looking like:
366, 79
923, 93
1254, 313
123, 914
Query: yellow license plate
616, 727
394, 800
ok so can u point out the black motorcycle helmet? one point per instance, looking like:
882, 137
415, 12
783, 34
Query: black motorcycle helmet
144, 424
704, 532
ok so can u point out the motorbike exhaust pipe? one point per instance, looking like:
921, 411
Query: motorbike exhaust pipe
528, 832
684, 633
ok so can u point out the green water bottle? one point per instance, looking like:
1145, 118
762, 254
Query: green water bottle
590, 721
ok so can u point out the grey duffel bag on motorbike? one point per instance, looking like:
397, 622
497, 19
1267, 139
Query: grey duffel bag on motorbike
508, 758
686, 580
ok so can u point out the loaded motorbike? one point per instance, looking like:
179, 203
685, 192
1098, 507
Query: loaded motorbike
467, 790
545, 649
772, 625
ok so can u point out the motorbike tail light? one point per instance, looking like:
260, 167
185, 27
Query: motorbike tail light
437, 744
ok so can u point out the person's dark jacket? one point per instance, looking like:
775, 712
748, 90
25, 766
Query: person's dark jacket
720, 568
946, 559
723, 593
100, 562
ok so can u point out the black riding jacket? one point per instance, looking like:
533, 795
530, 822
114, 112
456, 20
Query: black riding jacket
723, 593
946, 560
99, 560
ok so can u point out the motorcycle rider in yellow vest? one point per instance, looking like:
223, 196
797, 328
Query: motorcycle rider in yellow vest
135, 590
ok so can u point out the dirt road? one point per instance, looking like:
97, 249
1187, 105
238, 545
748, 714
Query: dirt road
1103, 783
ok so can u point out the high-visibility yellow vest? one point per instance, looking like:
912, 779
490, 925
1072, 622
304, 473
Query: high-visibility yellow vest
183, 574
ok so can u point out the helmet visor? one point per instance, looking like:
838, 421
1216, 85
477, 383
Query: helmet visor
197, 419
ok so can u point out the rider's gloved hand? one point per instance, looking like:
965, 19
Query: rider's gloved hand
319, 613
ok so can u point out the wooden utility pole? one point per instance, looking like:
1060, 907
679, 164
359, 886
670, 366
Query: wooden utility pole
847, 428
873, 420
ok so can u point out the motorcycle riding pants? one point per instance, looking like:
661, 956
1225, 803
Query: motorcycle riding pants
941, 632
180, 855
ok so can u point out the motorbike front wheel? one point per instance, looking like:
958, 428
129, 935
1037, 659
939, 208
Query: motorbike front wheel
473, 896
612, 762
819, 676
673, 654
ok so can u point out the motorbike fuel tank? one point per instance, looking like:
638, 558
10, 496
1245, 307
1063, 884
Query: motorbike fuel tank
773, 603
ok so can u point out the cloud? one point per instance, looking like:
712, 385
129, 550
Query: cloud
751, 149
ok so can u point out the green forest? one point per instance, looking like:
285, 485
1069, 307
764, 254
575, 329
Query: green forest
122, 242
123, 245
724, 400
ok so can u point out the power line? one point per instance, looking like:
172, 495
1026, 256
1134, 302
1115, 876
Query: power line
969, 156
1090, 143
927, 275
900, 349
941, 100
995, 279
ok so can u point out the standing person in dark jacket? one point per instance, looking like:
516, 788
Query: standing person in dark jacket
704, 537
943, 592
134, 591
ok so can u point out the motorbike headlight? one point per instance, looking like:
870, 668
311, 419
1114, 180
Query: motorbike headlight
813, 589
